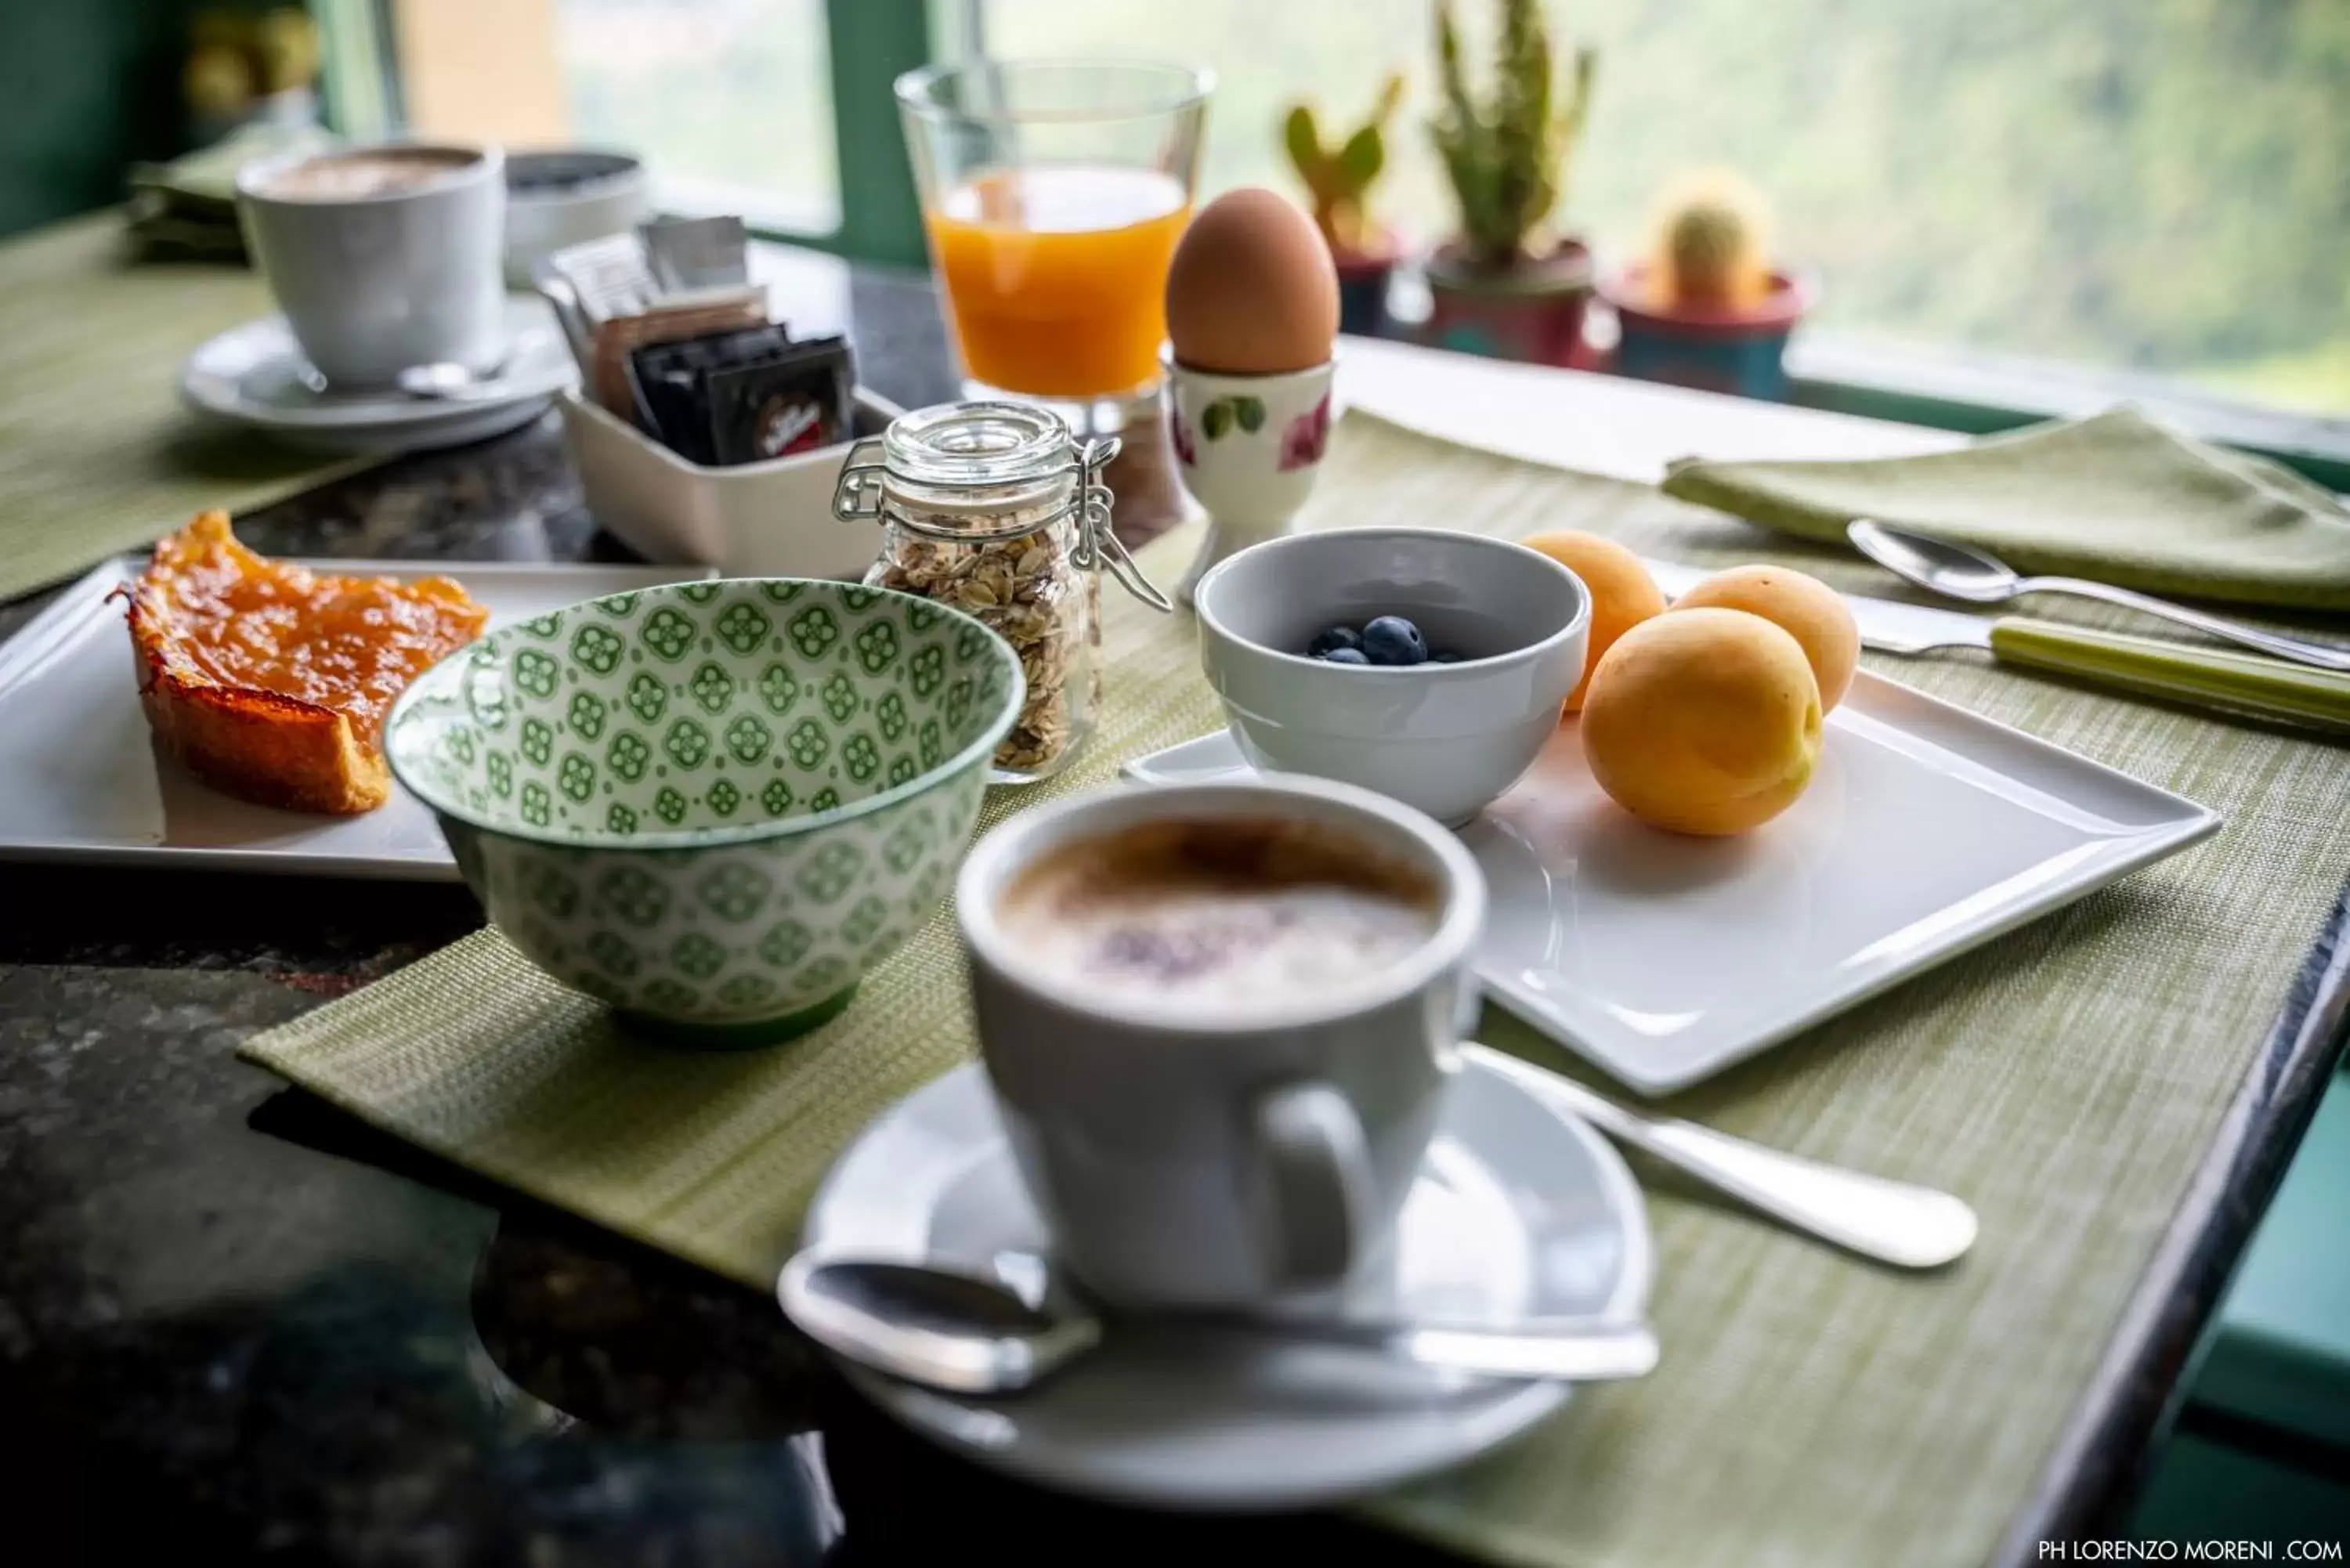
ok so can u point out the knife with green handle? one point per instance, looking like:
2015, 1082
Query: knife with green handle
2153, 667
2145, 666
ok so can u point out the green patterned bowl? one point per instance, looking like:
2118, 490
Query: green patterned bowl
713, 805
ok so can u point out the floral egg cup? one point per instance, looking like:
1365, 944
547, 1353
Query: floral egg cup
1248, 448
712, 806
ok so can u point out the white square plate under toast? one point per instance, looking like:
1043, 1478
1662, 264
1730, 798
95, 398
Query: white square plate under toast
1666, 959
82, 780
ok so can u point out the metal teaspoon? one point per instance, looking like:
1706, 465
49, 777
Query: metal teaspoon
1962, 572
969, 1335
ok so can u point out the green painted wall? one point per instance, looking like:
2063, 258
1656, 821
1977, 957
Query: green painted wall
86, 86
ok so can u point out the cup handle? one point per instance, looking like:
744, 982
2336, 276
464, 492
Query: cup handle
1319, 1169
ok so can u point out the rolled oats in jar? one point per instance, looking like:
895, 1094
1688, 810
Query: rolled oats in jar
993, 509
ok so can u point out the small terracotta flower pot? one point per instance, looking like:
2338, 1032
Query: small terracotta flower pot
1533, 311
1738, 350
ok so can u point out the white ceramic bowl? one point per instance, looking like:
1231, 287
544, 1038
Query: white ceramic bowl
561, 197
1446, 738
771, 519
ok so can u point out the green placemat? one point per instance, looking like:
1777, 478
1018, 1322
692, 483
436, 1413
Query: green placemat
1809, 1410
98, 454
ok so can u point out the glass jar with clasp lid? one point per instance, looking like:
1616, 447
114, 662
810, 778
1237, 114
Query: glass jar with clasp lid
994, 509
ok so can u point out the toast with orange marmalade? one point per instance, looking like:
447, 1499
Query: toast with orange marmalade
271, 682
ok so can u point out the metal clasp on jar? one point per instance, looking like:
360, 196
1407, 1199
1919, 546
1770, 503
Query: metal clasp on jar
1098, 548
857, 496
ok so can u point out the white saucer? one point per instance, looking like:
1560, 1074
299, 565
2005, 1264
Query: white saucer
252, 375
1520, 1212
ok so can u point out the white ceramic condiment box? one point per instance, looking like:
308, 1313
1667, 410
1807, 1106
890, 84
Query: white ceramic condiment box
770, 519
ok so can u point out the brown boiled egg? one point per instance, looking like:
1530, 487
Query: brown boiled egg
1252, 290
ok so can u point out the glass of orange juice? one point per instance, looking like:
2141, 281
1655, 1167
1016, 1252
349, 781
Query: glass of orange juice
1054, 192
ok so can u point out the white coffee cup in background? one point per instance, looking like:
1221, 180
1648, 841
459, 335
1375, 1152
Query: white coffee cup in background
383, 257
1214, 1158
557, 197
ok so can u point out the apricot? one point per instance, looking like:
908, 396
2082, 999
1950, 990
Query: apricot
1705, 721
1623, 595
1801, 605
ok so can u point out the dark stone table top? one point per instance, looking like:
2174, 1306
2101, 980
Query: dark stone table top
233, 1318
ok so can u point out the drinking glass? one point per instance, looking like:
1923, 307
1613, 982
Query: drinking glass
1054, 192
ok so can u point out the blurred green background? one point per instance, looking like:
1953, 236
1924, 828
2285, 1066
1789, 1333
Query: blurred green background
2156, 185
86, 86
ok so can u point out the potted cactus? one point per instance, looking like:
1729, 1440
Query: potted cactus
1339, 177
1507, 284
1707, 308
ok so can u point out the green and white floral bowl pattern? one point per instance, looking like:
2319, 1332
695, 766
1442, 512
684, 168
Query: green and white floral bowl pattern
716, 805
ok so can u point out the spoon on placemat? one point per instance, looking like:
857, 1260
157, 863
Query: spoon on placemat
1962, 572
1891, 1221
966, 1334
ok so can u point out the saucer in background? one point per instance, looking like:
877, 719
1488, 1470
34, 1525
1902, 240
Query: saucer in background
252, 375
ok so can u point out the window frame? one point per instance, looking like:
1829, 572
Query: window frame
872, 42
1979, 393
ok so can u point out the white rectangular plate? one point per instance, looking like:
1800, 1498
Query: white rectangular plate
82, 779
1665, 958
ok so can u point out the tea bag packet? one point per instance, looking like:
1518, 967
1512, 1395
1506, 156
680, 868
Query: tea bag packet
673, 319
696, 253
621, 306
792, 401
672, 334
671, 401
746, 396
609, 278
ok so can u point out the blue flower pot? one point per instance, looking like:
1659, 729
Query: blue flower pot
1741, 351
1362, 291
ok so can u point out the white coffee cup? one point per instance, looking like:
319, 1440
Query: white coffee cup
1232, 1162
375, 282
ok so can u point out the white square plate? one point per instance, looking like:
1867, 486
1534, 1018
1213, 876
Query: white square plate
82, 779
1665, 958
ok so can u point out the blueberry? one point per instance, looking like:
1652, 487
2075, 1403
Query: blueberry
1344, 656
1391, 639
1332, 640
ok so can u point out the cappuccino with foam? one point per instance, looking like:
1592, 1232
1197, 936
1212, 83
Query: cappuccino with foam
1221, 916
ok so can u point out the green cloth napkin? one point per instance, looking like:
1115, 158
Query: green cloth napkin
2118, 497
186, 209
2066, 1079
98, 454
207, 177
